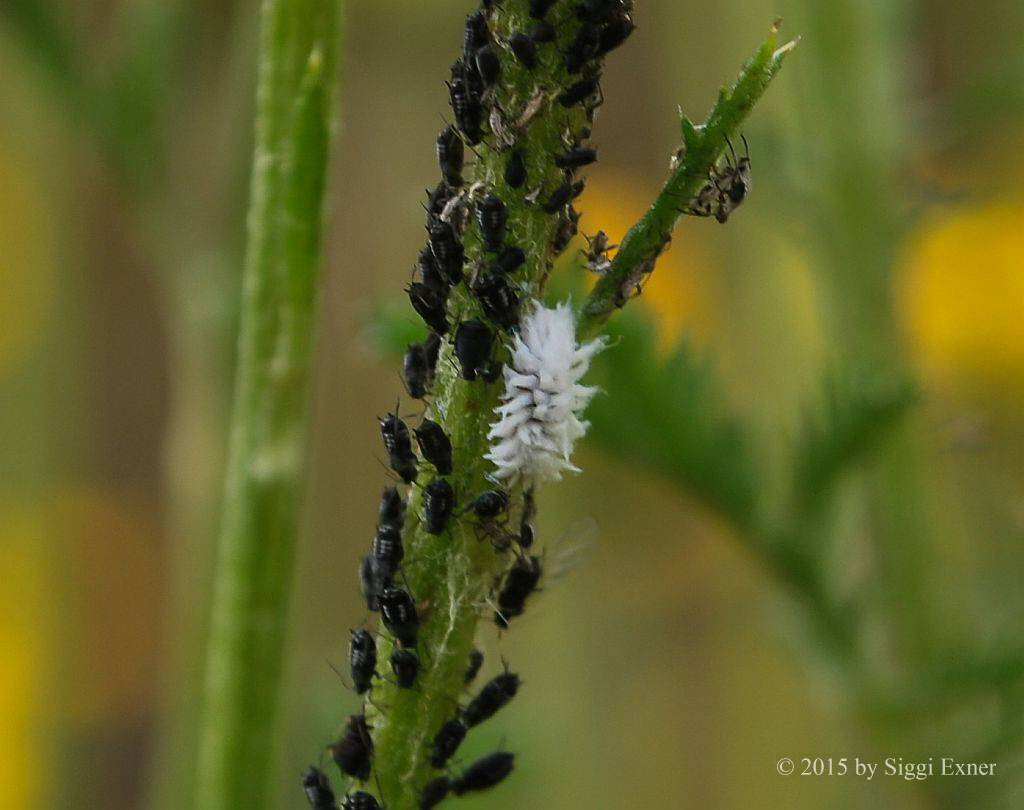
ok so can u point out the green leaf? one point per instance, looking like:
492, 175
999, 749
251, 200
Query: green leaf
668, 414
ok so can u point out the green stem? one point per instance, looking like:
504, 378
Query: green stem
450, 575
703, 148
268, 423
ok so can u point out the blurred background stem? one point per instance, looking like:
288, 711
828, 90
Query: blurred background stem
268, 423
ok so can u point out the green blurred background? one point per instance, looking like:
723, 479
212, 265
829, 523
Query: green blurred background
884, 235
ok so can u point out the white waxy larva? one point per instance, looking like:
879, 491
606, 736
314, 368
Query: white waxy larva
539, 418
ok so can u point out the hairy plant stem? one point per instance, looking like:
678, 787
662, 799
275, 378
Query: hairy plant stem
450, 575
268, 423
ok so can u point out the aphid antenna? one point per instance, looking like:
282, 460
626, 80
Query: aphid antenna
732, 151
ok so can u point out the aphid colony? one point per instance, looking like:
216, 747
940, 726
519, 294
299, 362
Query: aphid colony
499, 319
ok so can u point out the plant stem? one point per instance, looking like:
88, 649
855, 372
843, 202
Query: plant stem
703, 148
268, 422
451, 574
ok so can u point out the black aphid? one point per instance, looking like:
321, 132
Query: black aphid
490, 504
439, 198
430, 305
392, 509
371, 581
476, 660
447, 742
447, 249
438, 502
497, 692
510, 260
577, 188
559, 198
498, 300
406, 666
318, 790
466, 104
416, 372
388, 551
524, 48
491, 216
399, 614
360, 800
475, 34
580, 91
576, 157
433, 347
520, 581
542, 31
473, 343
539, 8
615, 32
398, 443
430, 273
567, 229
484, 773
450, 155
354, 750
584, 47
435, 445
435, 792
526, 535
515, 170
487, 64
362, 660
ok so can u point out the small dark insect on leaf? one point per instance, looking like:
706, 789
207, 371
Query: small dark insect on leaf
567, 229
371, 581
524, 48
447, 742
473, 343
491, 371
392, 509
398, 444
438, 502
475, 33
438, 198
435, 445
435, 792
318, 790
360, 800
399, 615
362, 660
485, 773
490, 504
583, 47
450, 155
580, 91
520, 581
559, 198
497, 299
495, 694
388, 550
487, 64
430, 305
511, 259
447, 249
491, 215
476, 660
416, 371
576, 158
615, 32
430, 274
515, 170
542, 31
354, 750
406, 666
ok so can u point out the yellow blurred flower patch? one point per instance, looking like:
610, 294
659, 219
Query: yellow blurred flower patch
961, 295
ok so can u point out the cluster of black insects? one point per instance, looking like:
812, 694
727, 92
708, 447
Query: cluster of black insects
597, 27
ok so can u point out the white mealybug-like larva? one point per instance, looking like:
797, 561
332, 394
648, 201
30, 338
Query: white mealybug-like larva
539, 418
